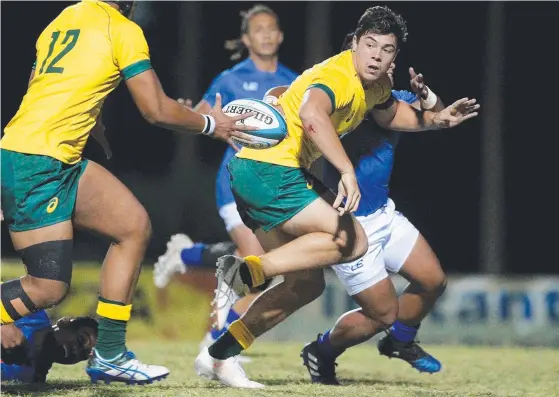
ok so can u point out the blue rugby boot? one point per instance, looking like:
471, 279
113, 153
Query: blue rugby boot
410, 352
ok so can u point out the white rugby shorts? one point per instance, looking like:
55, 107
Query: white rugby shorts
391, 237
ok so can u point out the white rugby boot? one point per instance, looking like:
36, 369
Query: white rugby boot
123, 368
222, 304
171, 262
229, 371
228, 267
209, 340
230, 288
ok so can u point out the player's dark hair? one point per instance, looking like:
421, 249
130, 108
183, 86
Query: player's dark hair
379, 20
236, 45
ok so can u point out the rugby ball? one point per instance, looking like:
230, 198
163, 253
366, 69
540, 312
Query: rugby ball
271, 125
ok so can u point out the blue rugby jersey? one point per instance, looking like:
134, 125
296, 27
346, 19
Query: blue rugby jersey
372, 154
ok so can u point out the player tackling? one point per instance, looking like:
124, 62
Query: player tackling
403, 250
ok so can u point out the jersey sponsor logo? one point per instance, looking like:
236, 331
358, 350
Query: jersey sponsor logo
250, 86
265, 118
53, 203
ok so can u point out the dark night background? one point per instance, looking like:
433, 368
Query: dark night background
437, 178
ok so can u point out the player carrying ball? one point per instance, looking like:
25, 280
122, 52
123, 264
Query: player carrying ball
299, 230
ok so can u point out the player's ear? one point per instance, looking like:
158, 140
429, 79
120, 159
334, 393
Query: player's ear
245, 40
354, 43
281, 37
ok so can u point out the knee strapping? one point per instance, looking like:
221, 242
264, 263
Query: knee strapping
51, 260
13, 290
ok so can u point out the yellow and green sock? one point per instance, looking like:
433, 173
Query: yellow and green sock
236, 339
251, 271
111, 334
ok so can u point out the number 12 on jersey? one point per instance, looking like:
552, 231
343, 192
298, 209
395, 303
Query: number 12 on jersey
70, 40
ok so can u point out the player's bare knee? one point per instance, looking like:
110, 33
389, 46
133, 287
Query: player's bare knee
435, 285
388, 316
45, 293
383, 315
138, 228
440, 285
142, 229
145, 229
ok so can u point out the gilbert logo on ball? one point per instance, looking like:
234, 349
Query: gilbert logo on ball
271, 125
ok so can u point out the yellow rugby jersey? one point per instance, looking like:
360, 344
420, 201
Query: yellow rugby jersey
82, 55
350, 103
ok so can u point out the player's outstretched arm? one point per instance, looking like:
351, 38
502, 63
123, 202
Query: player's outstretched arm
400, 116
428, 100
158, 109
202, 107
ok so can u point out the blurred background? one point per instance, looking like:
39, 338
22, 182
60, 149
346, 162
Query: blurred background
484, 194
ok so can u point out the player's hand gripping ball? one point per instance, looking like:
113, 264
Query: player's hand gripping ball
271, 125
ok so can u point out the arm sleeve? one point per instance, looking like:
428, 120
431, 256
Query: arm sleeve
384, 92
130, 49
334, 83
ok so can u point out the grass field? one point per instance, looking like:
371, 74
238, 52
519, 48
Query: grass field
468, 371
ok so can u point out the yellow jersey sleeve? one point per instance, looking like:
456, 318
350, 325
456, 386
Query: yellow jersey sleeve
383, 91
335, 83
130, 49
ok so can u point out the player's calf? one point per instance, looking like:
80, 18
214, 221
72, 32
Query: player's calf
379, 310
269, 309
400, 342
277, 303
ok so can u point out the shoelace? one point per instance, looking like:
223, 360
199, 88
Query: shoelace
414, 348
219, 294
